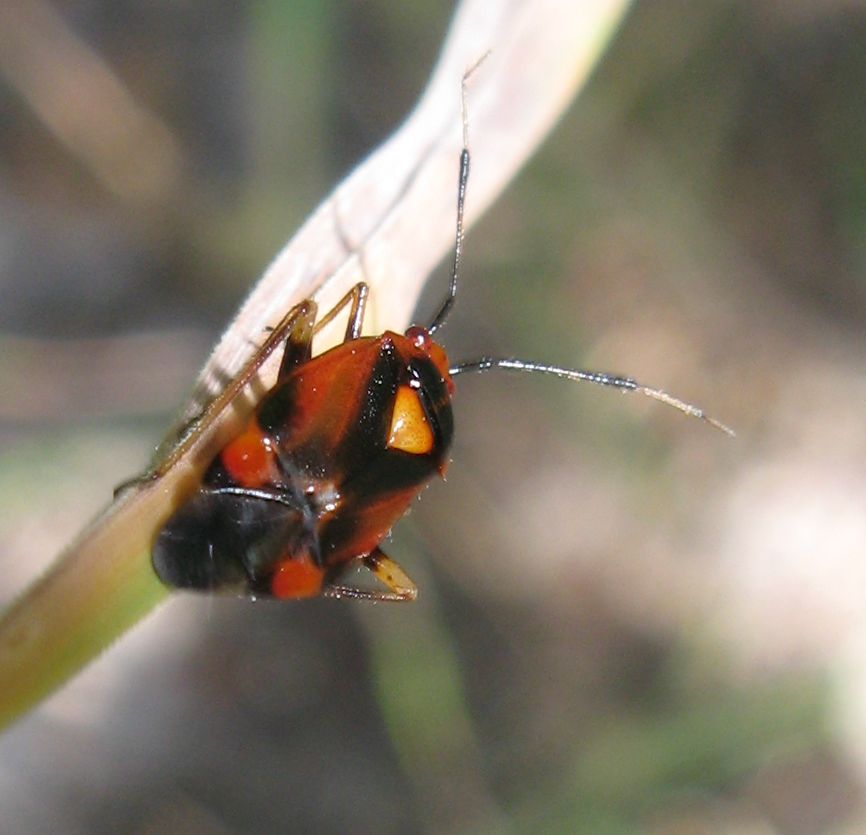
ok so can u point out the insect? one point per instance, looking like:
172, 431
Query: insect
334, 455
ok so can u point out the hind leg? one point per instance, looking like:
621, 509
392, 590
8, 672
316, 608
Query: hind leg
400, 587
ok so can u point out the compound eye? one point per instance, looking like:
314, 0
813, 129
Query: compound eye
419, 337
410, 430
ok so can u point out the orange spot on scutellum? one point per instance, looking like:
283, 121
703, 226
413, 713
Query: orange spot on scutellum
410, 431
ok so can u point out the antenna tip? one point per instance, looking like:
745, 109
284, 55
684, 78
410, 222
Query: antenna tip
475, 65
687, 408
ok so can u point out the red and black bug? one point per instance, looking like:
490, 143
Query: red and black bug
333, 456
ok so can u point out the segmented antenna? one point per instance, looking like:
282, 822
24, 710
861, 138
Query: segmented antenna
463, 177
487, 364
599, 378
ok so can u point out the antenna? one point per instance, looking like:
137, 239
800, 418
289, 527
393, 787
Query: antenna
486, 364
599, 378
462, 179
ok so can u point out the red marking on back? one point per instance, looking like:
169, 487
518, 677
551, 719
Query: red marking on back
248, 458
297, 577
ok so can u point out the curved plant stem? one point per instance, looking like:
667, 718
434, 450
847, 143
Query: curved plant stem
391, 221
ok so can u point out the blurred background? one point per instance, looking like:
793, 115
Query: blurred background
627, 622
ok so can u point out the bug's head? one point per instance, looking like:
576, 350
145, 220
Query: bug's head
421, 339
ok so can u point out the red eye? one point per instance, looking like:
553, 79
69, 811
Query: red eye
419, 337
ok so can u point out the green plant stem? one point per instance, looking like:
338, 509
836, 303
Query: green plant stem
104, 586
